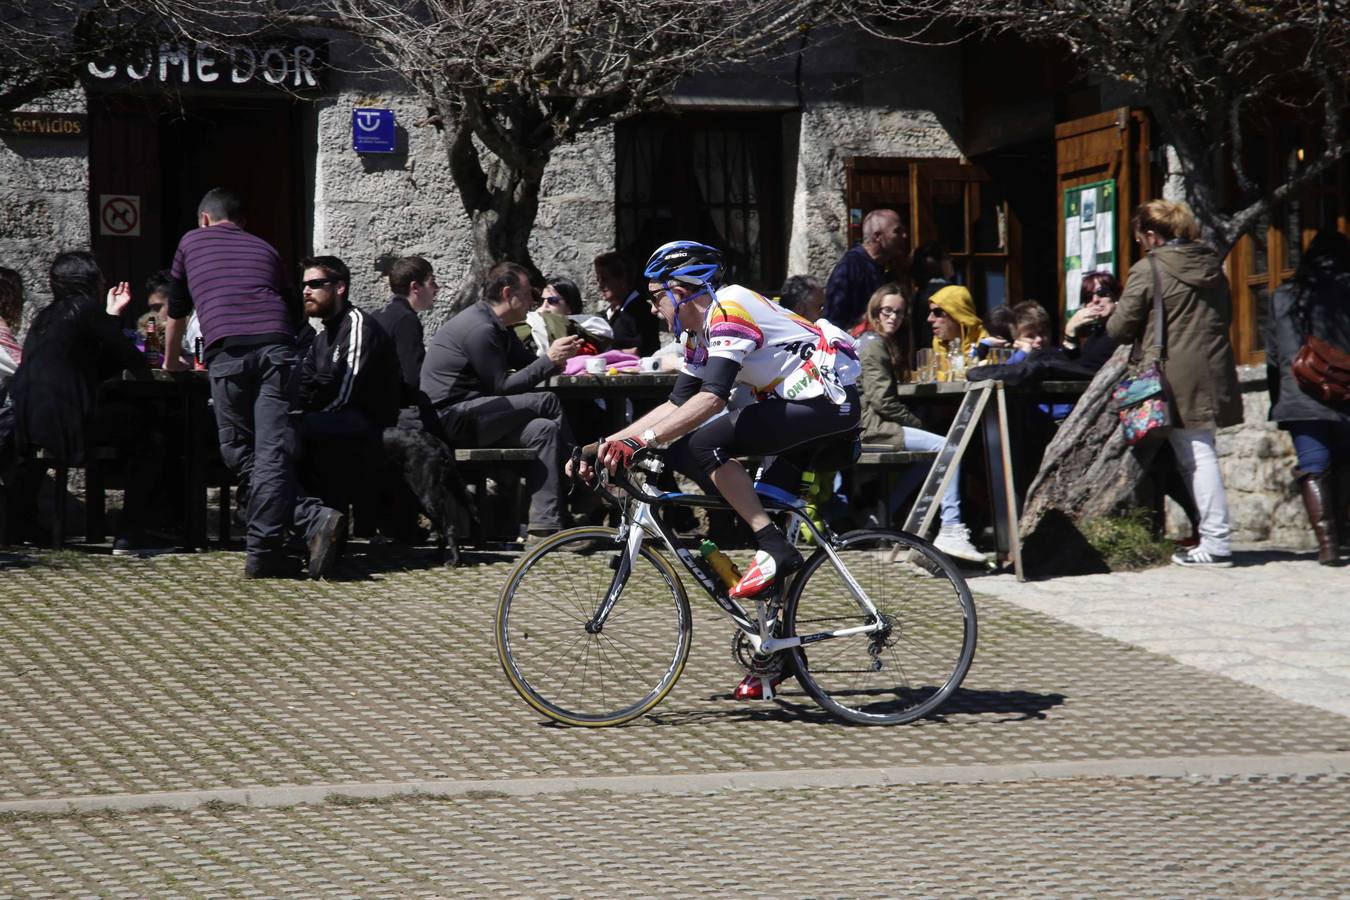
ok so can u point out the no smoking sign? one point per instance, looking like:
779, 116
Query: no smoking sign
119, 215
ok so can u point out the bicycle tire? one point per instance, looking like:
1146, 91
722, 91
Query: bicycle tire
909, 671
576, 677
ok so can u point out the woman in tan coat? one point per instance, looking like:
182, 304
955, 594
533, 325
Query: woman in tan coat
1200, 371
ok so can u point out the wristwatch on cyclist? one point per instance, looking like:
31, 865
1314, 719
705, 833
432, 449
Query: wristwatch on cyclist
649, 438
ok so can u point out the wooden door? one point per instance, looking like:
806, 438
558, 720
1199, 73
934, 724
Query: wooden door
165, 156
124, 163
246, 147
953, 202
1112, 145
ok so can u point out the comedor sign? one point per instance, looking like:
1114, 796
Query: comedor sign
292, 64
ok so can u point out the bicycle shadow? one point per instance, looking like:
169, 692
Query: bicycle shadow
362, 562
969, 706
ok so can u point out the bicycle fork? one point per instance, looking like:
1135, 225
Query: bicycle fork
632, 534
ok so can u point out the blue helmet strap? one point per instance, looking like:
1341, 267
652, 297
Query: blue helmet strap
670, 295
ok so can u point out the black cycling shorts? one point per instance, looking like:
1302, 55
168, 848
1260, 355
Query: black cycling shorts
769, 427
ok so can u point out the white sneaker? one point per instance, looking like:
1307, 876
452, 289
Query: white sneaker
1197, 558
954, 540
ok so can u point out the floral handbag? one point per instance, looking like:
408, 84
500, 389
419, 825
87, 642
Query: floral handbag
1142, 399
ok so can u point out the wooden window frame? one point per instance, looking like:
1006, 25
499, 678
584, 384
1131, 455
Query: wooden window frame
1312, 201
921, 173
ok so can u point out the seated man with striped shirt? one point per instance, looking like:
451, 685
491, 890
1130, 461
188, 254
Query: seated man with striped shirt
237, 285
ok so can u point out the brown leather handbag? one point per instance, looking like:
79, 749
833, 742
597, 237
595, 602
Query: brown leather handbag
1323, 371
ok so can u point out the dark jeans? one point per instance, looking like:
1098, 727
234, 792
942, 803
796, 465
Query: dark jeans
535, 420
251, 390
343, 461
1318, 443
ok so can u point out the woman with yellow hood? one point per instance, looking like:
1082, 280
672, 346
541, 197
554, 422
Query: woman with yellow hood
952, 315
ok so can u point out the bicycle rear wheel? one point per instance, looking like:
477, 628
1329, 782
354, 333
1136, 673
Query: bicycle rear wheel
911, 667
580, 676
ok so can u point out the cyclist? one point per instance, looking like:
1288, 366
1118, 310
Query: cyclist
802, 374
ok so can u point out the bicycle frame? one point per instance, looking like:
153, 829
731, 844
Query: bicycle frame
637, 525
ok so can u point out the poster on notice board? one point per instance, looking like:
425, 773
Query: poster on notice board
1089, 235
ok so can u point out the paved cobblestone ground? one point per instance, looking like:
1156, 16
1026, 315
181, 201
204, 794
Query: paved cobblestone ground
175, 674
1121, 838
1276, 620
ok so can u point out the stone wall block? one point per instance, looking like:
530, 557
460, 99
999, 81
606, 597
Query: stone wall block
44, 200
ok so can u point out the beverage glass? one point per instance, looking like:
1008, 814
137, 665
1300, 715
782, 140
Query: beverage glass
923, 366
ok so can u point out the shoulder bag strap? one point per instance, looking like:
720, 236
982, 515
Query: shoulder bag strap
1159, 320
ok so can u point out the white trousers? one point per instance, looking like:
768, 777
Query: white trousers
1199, 465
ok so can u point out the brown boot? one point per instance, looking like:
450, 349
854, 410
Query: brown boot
1317, 500
1341, 507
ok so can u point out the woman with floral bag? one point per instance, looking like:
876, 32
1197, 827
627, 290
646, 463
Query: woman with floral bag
1198, 363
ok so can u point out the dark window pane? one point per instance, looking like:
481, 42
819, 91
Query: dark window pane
990, 287
709, 177
1259, 249
1293, 234
1261, 300
989, 231
949, 214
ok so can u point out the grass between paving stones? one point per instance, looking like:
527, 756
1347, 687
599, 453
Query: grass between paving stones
1126, 542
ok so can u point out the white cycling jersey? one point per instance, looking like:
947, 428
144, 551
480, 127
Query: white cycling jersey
779, 352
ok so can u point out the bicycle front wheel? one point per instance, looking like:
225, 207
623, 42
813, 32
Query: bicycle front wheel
915, 662
581, 675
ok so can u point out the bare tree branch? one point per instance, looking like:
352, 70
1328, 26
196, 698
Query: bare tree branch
1213, 73
511, 81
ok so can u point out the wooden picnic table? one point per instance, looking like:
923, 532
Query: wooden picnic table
186, 397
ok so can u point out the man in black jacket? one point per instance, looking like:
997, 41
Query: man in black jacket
479, 377
414, 285
349, 390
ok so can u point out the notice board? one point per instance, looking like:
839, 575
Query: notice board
1089, 235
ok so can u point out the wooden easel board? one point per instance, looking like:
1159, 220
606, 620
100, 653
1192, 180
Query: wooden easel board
975, 410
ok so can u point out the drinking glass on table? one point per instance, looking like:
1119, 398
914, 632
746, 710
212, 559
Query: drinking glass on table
923, 367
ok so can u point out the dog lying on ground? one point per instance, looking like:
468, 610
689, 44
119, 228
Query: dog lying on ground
424, 467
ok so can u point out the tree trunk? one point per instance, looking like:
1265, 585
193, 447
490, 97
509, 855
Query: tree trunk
501, 201
1087, 472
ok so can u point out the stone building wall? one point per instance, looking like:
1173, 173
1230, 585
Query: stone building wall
44, 199
371, 209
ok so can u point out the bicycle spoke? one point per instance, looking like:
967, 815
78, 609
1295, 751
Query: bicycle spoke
583, 678
904, 671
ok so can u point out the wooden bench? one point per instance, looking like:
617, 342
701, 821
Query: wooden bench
61, 492
476, 464
885, 462
893, 459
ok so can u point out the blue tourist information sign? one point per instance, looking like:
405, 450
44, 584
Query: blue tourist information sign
372, 130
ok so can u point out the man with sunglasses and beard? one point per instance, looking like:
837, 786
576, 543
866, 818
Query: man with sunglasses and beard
237, 284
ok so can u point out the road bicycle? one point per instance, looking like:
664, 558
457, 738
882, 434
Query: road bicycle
593, 626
